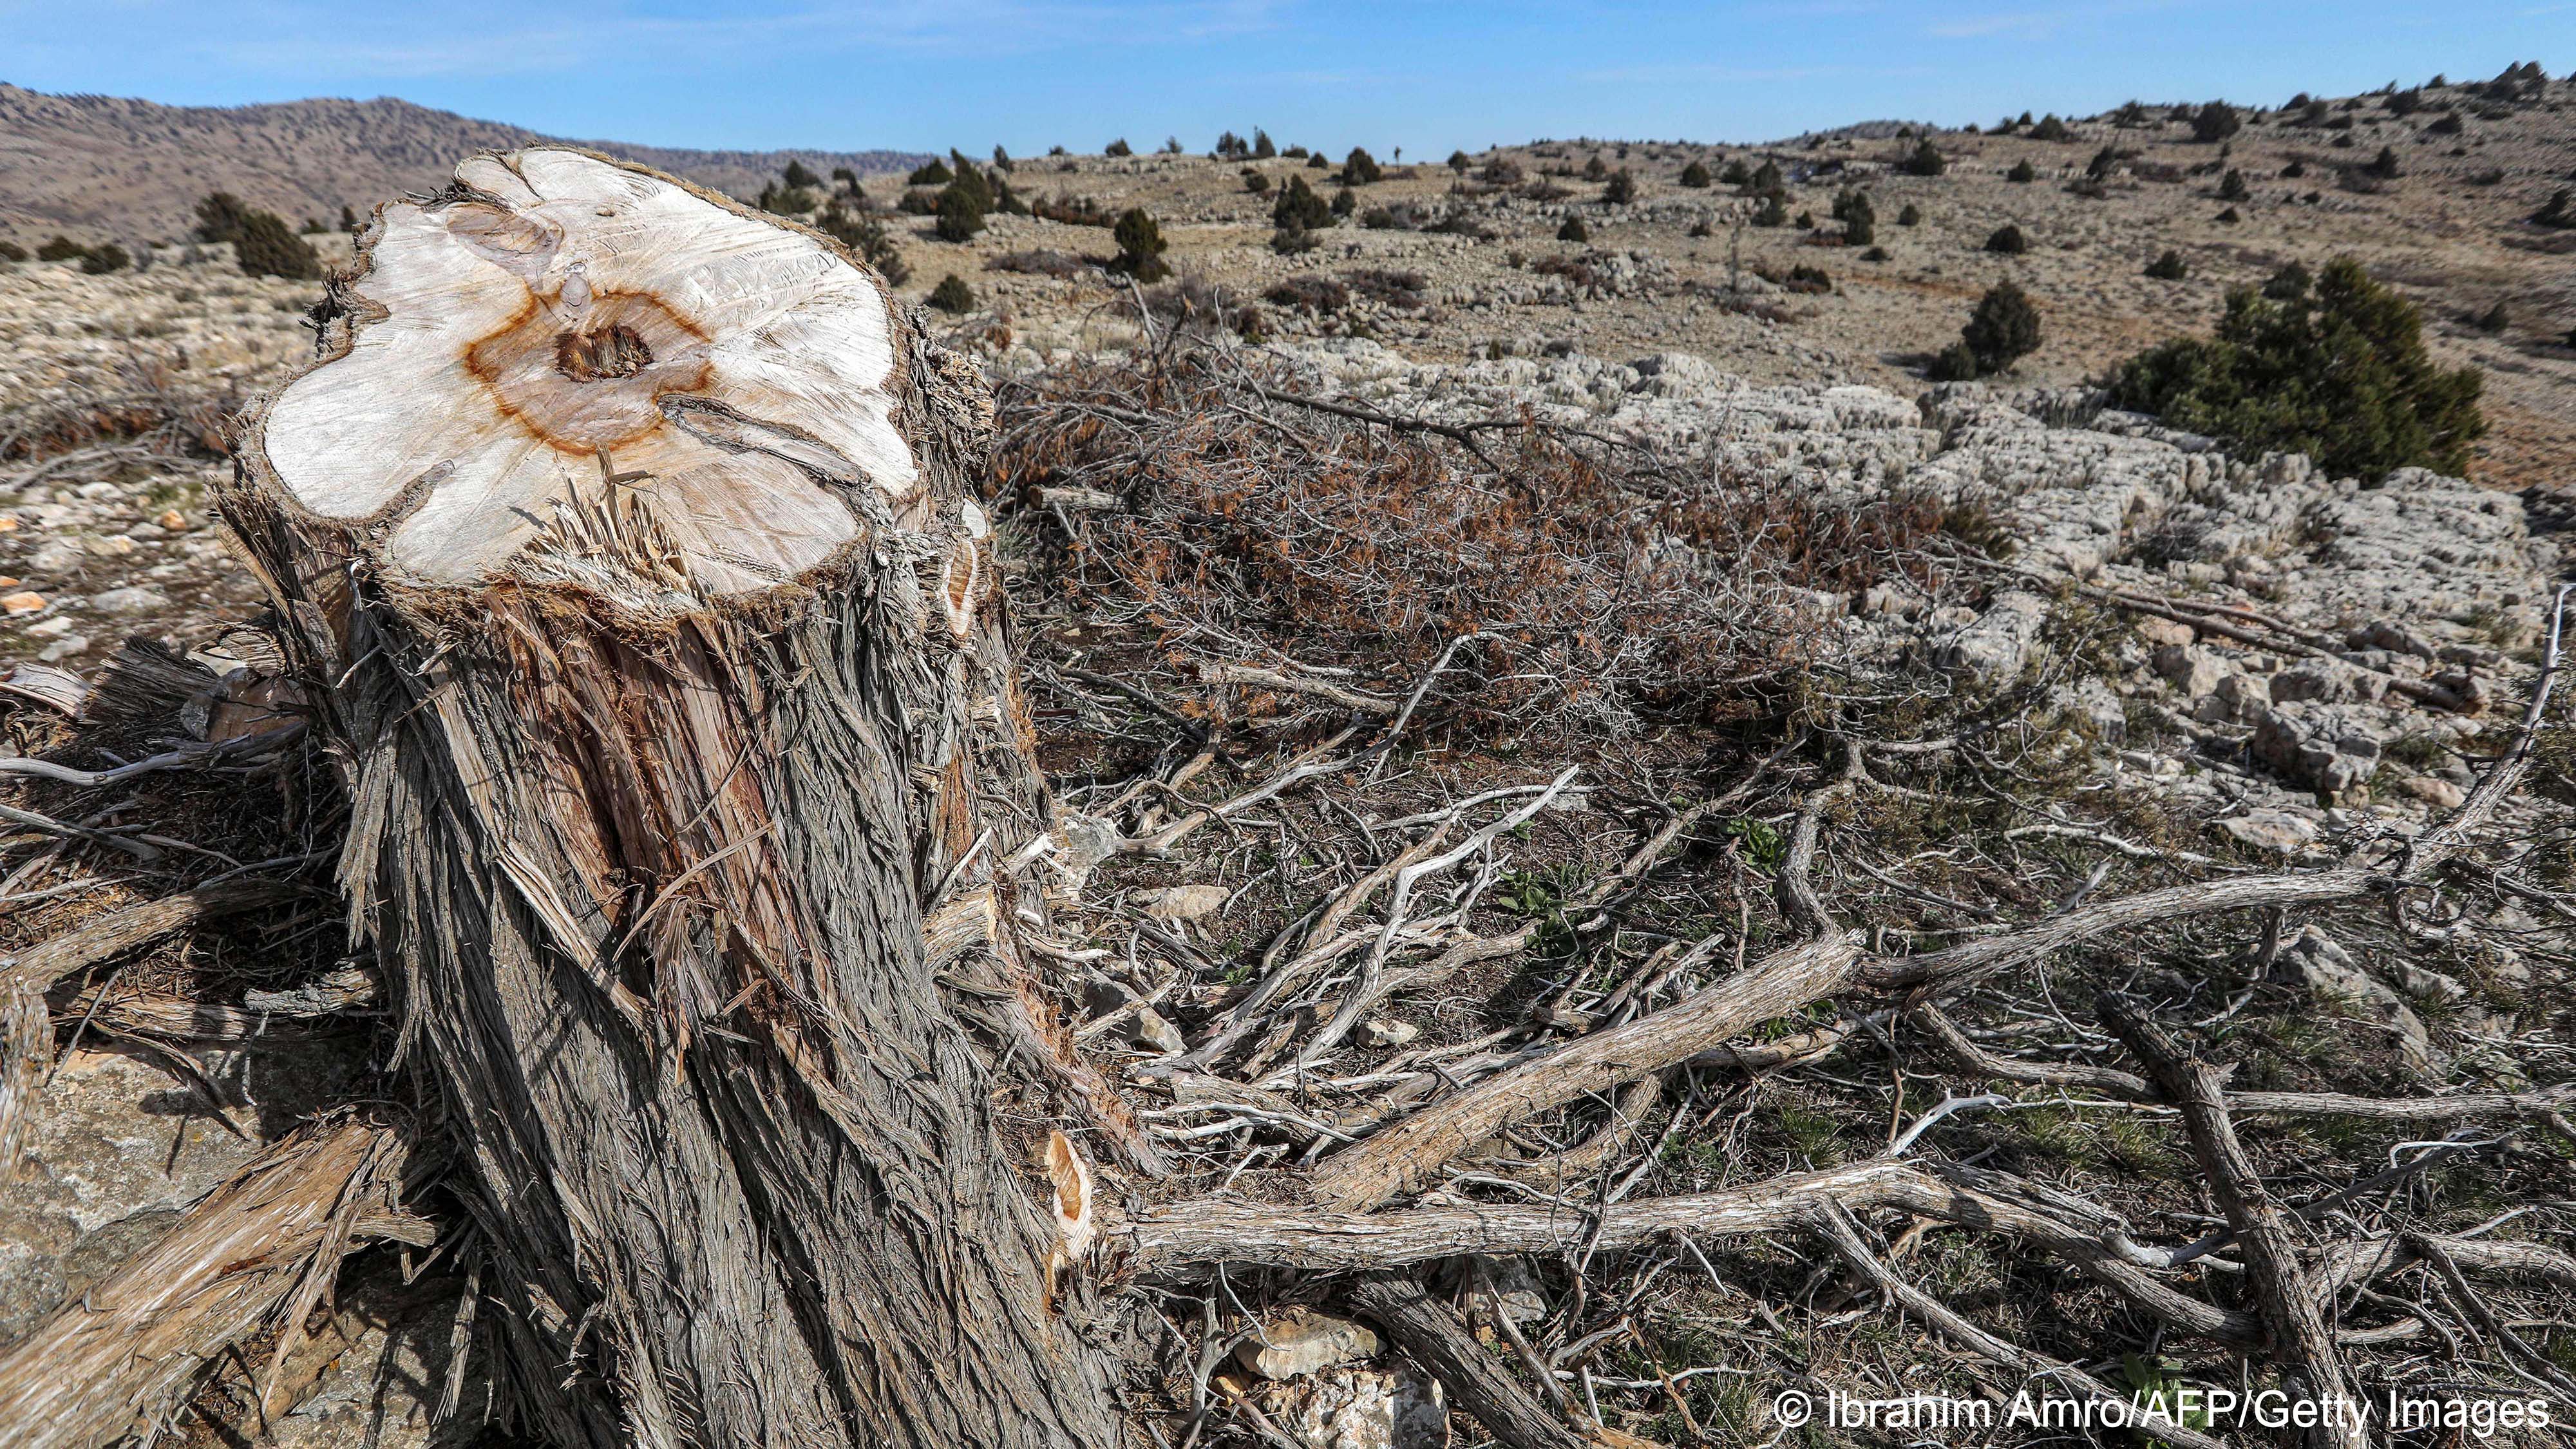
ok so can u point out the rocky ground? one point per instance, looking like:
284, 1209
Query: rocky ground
2244, 663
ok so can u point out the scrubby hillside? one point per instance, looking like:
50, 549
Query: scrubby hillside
111, 168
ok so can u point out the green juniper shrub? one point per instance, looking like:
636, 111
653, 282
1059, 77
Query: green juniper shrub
1735, 174
1299, 208
1315, 162
12, 252
1574, 230
109, 257
1621, 188
349, 221
1695, 175
1345, 201
2022, 172
2334, 367
2559, 213
953, 295
266, 248
1171, 146
2447, 124
1459, 161
848, 180
1596, 169
866, 236
219, 217
1140, 246
934, 173
2168, 266
2215, 122
1001, 162
1231, 147
961, 212
2104, 162
60, 248
2294, 171
1859, 218
1909, 215
2230, 217
2232, 187
1808, 279
1255, 180
2051, 129
785, 200
798, 175
2383, 167
312, 227
1806, 221
1118, 147
1924, 160
1262, 147
2008, 240
1360, 168
2003, 330
1289, 241
1874, 254
1702, 227
1772, 212
1768, 181
2494, 319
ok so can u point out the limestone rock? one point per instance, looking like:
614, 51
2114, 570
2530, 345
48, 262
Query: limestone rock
1356, 1408
1183, 902
1999, 643
1301, 1341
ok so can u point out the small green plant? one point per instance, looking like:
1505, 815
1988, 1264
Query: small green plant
961, 211
2003, 329
1360, 168
1695, 175
2560, 212
1621, 188
1256, 180
266, 248
2022, 173
1118, 147
2494, 320
1345, 201
935, 173
109, 257
2050, 128
1573, 230
1140, 246
953, 295
2230, 217
1909, 215
60, 248
2384, 166
1262, 147
798, 174
1924, 160
2007, 240
2232, 187
1459, 161
866, 236
2168, 266
1299, 208
2334, 367
12, 252
1772, 212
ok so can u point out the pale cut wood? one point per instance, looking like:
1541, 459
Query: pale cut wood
564, 355
683, 808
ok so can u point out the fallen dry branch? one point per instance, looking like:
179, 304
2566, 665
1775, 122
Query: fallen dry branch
257, 1253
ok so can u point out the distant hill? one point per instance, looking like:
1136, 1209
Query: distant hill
105, 167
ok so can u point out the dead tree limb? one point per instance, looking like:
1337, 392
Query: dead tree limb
2289, 1305
1431, 1334
259, 1252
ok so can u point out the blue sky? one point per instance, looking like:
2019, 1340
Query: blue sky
927, 74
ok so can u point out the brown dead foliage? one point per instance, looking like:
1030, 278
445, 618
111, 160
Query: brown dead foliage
1255, 523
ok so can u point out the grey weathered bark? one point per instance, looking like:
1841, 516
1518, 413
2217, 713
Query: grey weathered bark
626, 540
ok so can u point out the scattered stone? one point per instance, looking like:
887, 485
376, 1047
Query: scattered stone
1383, 1033
1184, 902
173, 520
1152, 1029
2281, 831
2438, 793
1504, 1288
26, 601
1301, 1340
2164, 633
114, 545
55, 558
133, 599
2327, 969
2317, 746
2194, 672
1356, 1408
1995, 648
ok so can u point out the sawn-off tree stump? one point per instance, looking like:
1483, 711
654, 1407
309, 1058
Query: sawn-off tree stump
627, 540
